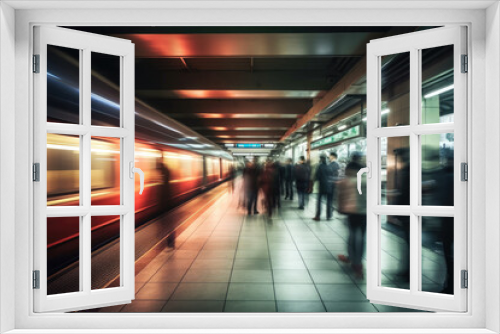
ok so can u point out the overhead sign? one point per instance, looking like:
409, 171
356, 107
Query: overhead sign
249, 145
353, 132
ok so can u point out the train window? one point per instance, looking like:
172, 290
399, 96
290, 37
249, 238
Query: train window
105, 267
63, 85
63, 170
105, 85
105, 156
425, 205
395, 91
63, 255
437, 85
84, 200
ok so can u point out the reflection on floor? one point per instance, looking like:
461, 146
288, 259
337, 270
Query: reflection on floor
229, 262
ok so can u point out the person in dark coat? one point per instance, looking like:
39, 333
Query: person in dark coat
282, 170
324, 176
289, 179
251, 175
441, 188
277, 182
356, 215
334, 165
302, 175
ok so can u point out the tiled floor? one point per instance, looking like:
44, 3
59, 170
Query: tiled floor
229, 262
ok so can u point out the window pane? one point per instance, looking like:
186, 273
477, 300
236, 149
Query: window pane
437, 85
395, 170
63, 255
395, 79
105, 251
437, 254
63, 170
105, 155
63, 85
437, 169
395, 251
105, 86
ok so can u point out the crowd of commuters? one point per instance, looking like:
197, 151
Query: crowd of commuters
273, 179
336, 190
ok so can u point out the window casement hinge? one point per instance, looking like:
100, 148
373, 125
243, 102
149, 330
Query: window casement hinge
465, 64
464, 171
36, 279
36, 63
36, 172
465, 279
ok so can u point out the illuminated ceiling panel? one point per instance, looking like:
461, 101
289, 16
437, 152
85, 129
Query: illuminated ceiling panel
229, 94
256, 45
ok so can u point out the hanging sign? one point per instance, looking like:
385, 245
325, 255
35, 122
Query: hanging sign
353, 132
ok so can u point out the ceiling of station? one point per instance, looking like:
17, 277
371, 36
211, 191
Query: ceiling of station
242, 84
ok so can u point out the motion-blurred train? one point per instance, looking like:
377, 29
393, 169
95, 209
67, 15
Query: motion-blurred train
177, 162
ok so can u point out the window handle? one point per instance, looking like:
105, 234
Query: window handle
134, 170
368, 171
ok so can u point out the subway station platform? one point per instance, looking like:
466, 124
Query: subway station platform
227, 261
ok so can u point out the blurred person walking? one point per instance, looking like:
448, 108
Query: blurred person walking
282, 171
270, 184
335, 167
354, 206
289, 179
302, 175
251, 175
324, 176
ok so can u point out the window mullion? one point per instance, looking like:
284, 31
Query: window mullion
86, 170
414, 168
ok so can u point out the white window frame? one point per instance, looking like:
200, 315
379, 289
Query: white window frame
483, 51
86, 43
414, 43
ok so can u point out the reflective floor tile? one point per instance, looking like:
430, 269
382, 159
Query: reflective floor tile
251, 276
340, 292
200, 291
310, 246
161, 291
252, 254
337, 248
322, 264
252, 264
216, 254
169, 275
291, 276
296, 292
250, 291
184, 254
285, 245
330, 276
300, 307
207, 275
288, 264
222, 263
177, 264
318, 255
